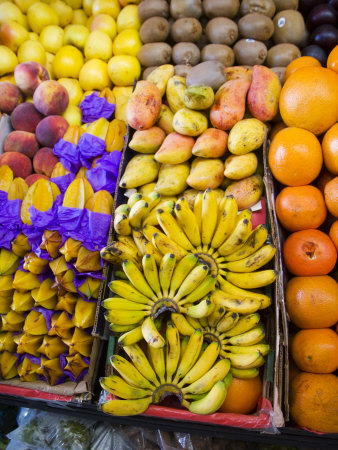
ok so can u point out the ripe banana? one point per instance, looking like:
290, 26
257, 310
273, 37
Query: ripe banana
137, 212
201, 291
173, 349
182, 269
212, 401
117, 386
241, 306
133, 199
125, 290
244, 360
187, 221
167, 245
251, 337
252, 262
244, 324
137, 279
228, 321
204, 384
252, 280
190, 355
158, 361
166, 272
151, 334
209, 216
244, 373
182, 324
141, 362
198, 209
202, 309
122, 303
126, 407
236, 292
262, 348
125, 317
144, 246
173, 230
192, 281
239, 235
131, 336
254, 242
226, 221
129, 373
122, 225
151, 273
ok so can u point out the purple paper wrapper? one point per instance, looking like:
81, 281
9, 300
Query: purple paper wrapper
33, 359
90, 147
104, 175
10, 220
80, 278
93, 107
68, 155
34, 236
63, 182
63, 362
3, 199
47, 314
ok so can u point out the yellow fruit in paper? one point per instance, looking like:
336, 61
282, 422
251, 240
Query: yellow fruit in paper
124, 69
32, 51
106, 23
127, 42
94, 75
98, 45
76, 35
67, 62
40, 15
74, 90
128, 18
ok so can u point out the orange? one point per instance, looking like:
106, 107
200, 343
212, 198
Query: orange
330, 149
312, 302
300, 207
295, 156
314, 401
324, 177
309, 252
309, 99
303, 61
242, 396
332, 60
331, 196
333, 233
276, 128
316, 350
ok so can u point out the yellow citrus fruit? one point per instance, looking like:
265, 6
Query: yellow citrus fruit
67, 62
123, 69
98, 45
127, 42
128, 18
8, 60
51, 38
32, 51
94, 75
40, 15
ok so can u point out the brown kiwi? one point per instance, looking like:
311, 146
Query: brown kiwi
221, 8
182, 70
289, 27
185, 8
152, 8
256, 26
218, 52
266, 7
221, 30
148, 71
280, 72
250, 52
154, 54
186, 53
154, 29
187, 29
281, 55
210, 73
281, 5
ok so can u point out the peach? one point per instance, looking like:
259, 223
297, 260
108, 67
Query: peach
21, 142
10, 96
28, 75
44, 161
50, 129
19, 163
25, 117
31, 179
12, 34
51, 98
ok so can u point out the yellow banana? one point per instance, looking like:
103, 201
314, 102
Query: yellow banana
132, 336
126, 407
134, 198
129, 242
218, 372
122, 303
137, 279
166, 271
244, 373
190, 355
151, 219
125, 290
182, 269
202, 309
166, 245
121, 317
228, 321
252, 280
198, 209
262, 348
216, 315
117, 252
201, 291
241, 306
244, 360
192, 281
129, 373
149, 231
122, 328
250, 337
182, 324
137, 212
245, 323
226, 222
151, 273
173, 349
255, 241
212, 401
253, 262
195, 323
153, 199
239, 235
173, 230
151, 334
187, 221
117, 386
140, 361
237, 292
123, 209
209, 216
158, 362
144, 246
122, 225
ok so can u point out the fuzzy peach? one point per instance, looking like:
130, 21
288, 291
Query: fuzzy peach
21, 142
50, 130
44, 161
31, 179
25, 117
19, 163
10, 96
28, 75
51, 98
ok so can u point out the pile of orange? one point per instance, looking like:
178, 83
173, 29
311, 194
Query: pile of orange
303, 157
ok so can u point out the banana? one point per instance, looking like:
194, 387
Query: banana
122, 225
122, 328
206, 382
151, 219
137, 279
173, 230
149, 231
254, 242
251, 337
182, 269
126, 407
166, 272
117, 386
187, 221
129, 242
140, 361
151, 334
122, 303
212, 401
243, 325
121, 317
195, 323
226, 222
253, 262
236, 292
125, 290
166, 245
137, 212
243, 360
134, 198
201, 291
262, 348
192, 281
228, 321
239, 235
184, 345
151, 274
129, 373
123, 209
173, 349
190, 355
209, 216
203, 364
252, 280
131, 337
153, 199
215, 316
182, 324
158, 361
241, 306
244, 373
116, 252
198, 209
202, 309
144, 246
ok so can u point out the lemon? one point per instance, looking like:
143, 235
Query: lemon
128, 18
74, 90
67, 62
127, 42
76, 35
73, 115
8, 60
32, 51
51, 38
94, 75
105, 23
40, 15
64, 12
79, 17
9, 11
111, 7
98, 45
123, 69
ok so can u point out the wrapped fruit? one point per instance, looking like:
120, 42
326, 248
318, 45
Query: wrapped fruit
44, 295
51, 241
34, 264
41, 195
20, 245
8, 367
28, 343
9, 262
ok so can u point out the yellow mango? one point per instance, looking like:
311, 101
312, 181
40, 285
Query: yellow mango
189, 122
176, 87
247, 192
198, 96
240, 166
140, 170
165, 119
172, 178
144, 105
246, 136
160, 76
206, 173
175, 149
147, 141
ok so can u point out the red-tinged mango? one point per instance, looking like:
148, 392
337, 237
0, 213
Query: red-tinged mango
238, 73
175, 149
212, 143
144, 105
147, 141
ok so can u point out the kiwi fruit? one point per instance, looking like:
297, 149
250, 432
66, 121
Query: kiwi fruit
152, 8
281, 5
221, 30
256, 26
221, 8
186, 8
250, 52
182, 70
218, 52
154, 54
148, 71
281, 55
187, 29
280, 72
154, 29
209, 73
289, 27
186, 53
266, 7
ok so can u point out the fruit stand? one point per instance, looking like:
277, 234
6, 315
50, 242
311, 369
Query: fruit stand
168, 205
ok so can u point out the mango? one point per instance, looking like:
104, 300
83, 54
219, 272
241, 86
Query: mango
144, 105
238, 73
175, 149
176, 87
172, 179
140, 170
160, 76
190, 195
206, 173
198, 96
147, 141
263, 95
212, 143
189, 122
229, 104
247, 192
146, 189
165, 119
246, 136
240, 166
122, 95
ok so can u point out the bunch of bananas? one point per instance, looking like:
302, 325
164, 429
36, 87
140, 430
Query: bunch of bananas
188, 369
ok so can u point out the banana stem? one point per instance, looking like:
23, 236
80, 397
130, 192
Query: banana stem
185, 404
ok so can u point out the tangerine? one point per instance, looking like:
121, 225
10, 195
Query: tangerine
242, 396
309, 99
303, 61
331, 196
309, 252
332, 60
312, 302
330, 149
276, 128
316, 350
324, 177
300, 207
333, 233
295, 156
